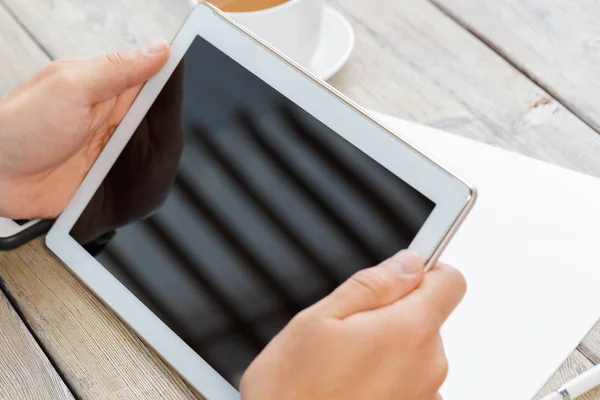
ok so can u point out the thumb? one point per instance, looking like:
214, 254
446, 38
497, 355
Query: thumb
107, 76
376, 287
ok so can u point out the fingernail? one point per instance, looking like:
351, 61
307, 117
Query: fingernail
156, 47
407, 262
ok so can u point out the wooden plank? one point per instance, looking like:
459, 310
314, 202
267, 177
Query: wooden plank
411, 60
85, 28
590, 347
20, 57
556, 42
98, 356
25, 371
414, 61
575, 365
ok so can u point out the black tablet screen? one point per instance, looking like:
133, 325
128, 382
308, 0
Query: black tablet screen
231, 209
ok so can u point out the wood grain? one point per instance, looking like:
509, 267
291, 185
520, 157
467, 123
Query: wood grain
20, 57
25, 371
414, 61
590, 346
556, 42
575, 365
67, 28
98, 356
411, 60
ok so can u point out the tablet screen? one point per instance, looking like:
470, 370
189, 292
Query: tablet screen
231, 209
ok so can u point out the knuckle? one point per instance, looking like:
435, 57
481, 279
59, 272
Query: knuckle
454, 277
459, 280
440, 372
307, 320
304, 324
55, 69
369, 281
66, 77
303, 319
119, 59
115, 59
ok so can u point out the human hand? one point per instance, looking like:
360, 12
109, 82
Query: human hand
141, 178
53, 127
375, 337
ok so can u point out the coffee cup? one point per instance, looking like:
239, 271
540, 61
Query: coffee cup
291, 26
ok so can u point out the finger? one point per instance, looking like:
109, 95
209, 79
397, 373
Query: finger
375, 287
122, 104
110, 75
436, 298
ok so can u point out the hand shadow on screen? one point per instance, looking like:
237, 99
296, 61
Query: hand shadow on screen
140, 180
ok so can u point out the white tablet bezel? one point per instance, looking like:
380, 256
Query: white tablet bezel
453, 197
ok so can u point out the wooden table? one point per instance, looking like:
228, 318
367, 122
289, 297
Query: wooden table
520, 74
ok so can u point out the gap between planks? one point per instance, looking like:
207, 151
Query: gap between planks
25, 371
496, 48
425, 121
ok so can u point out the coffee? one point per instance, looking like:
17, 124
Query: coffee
246, 5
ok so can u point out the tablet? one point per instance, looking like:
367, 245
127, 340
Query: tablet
237, 191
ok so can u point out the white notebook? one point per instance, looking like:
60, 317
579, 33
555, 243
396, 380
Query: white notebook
530, 253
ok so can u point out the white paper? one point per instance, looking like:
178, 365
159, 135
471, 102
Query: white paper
529, 252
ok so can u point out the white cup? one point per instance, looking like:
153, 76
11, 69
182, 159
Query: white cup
293, 27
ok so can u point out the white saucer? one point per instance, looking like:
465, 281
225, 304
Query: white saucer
337, 43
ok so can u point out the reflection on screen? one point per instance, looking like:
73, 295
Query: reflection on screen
231, 209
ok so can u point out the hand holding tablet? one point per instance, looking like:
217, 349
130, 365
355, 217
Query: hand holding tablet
375, 337
54, 127
239, 190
